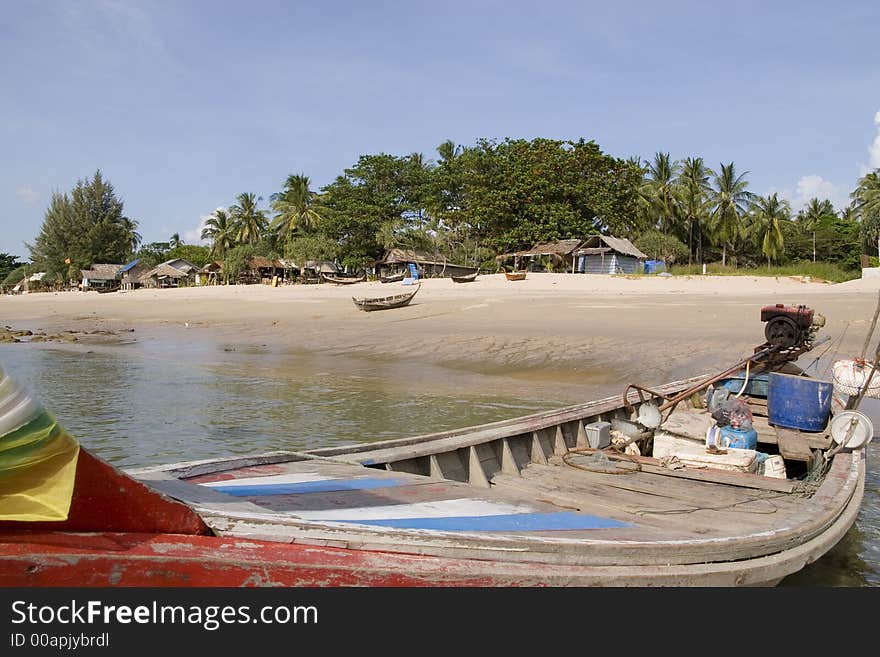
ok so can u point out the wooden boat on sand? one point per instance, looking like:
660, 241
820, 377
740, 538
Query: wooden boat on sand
515, 275
466, 278
343, 280
575, 496
384, 303
393, 278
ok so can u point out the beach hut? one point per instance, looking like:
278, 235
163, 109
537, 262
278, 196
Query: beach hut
171, 273
601, 254
131, 274
100, 277
428, 265
560, 253
210, 274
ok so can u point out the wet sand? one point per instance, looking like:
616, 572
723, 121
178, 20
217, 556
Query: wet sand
549, 325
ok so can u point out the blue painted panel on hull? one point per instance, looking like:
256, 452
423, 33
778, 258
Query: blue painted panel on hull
324, 486
517, 522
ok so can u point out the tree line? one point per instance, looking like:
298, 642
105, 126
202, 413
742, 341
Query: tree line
471, 203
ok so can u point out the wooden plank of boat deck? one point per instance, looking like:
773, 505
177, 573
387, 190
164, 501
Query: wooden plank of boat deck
605, 489
668, 486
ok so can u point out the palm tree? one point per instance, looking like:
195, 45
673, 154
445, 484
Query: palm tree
131, 235
174, 241
659, 190
294, 207
693, 200
220, 229
866, 203
811, 216
730, 200
249, 221
766, 215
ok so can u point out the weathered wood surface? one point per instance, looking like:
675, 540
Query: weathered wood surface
793, 445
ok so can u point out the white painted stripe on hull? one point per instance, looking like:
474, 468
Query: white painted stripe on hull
439, 509
290, 478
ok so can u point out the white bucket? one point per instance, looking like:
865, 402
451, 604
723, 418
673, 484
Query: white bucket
774, 466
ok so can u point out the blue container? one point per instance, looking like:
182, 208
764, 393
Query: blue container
738, 438
796, 402
756, 387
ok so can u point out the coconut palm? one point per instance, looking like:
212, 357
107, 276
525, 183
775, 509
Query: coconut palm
730, 200
866, 203
764, 226
693, 200
294, 207
221, 230
658, 190
811, 216
174, 241
132, 236
249, 221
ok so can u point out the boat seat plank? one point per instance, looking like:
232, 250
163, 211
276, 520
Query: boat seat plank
793, 445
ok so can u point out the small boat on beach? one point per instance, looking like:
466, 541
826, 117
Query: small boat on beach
721, 479
393, 278
466, 278
343, 280
515, 275
384, 303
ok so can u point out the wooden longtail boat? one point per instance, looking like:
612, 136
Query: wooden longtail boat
393, 278
384, 303
467, 278
521, 502
343, 280
515, 275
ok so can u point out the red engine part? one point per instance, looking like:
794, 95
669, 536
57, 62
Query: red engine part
800, 315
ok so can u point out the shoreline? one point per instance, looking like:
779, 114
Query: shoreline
547, 325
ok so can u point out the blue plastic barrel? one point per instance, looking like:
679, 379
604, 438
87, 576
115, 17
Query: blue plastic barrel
797, 402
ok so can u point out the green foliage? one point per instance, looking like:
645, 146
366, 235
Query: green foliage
520, 192
8, 263
310, 247
15, 276
823, 271
153, 253
195, 253
86, 226
236, 262
658, 246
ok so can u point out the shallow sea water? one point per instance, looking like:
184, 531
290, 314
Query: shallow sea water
157, 400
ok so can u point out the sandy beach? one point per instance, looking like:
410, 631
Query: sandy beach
549, 326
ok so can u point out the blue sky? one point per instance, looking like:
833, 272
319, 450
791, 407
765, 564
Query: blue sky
183, 105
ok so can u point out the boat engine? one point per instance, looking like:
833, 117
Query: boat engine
791, 327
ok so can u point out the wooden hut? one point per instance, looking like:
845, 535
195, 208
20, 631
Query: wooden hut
100, 277
130, 274
601, 254
171, 273
428, 265
560, 254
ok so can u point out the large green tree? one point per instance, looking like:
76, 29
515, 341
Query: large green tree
221, 230
295, 208
812, 216
84, 227
765, 219
730, 199
692, 188
866, 203
250, 221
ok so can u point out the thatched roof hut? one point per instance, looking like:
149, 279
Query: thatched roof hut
602, 254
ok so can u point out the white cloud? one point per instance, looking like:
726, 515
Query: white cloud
27, 195
810, 187
874, 148
194, 235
